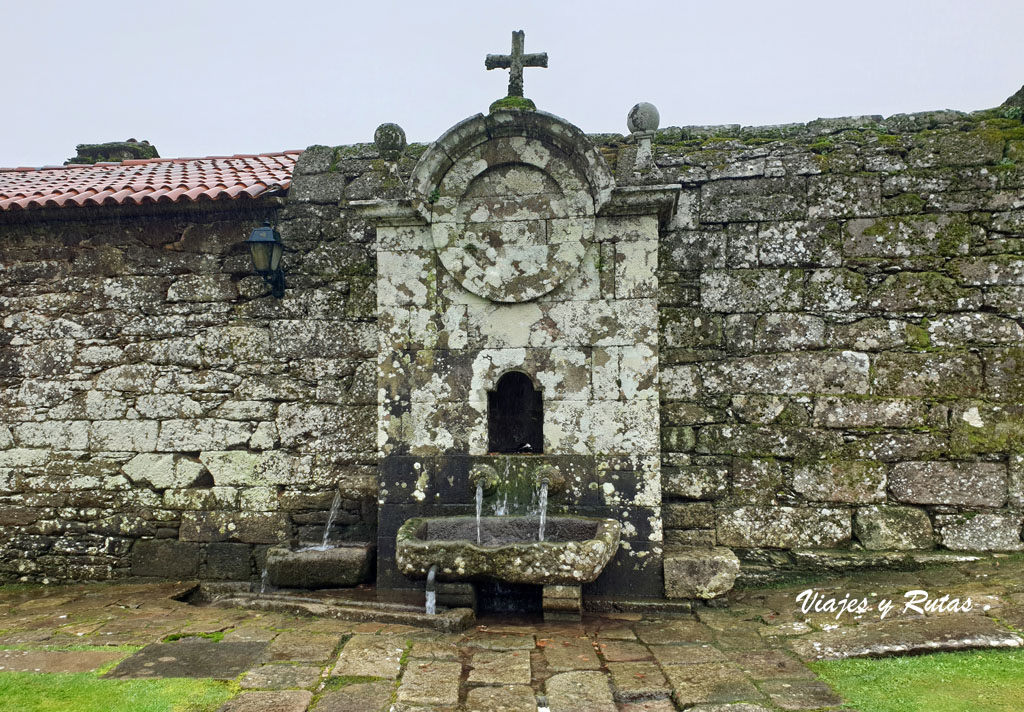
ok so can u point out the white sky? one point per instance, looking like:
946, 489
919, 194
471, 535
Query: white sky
211, 77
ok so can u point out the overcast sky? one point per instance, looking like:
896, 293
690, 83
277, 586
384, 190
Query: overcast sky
215, 77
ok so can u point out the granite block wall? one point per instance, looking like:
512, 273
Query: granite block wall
841, 345
160, 414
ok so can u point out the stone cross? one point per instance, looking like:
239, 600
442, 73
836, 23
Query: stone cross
515, 63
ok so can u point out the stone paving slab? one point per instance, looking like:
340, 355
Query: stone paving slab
709, 682
57, 660
301, 647
430, 684
580, 690
771, 665
358, 697
371, 656
500, 641
621, 651
279, 701
191, 657
940, 633
674, 631
638, 681
801, 694
507, 698
686, 654
564, 654
281, 677
648, 706
492, 667
434, 650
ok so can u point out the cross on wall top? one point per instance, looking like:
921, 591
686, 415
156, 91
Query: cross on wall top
515, 62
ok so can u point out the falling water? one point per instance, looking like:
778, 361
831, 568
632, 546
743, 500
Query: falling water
330, 517
263, 580
543, 508
431, 607
479, 506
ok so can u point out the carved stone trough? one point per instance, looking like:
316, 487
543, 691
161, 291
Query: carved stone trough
575, 549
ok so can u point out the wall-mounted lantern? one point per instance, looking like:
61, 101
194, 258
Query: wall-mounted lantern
266, 248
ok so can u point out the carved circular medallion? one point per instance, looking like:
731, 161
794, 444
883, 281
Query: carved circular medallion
511, 219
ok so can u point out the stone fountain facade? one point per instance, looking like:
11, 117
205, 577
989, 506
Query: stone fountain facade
515, 252
803, 344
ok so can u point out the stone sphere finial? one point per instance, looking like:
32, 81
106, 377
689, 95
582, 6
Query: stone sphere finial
643, 117
390, 141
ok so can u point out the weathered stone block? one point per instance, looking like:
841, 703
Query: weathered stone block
124, 435
755, 199
72, 435
923, 291
979, 484
980, 532
843, 196
162, 471
202, 288
294, 566
1004, 372
783, 527
851, 482
751, 290
679, 383
789, 332
228, 561
927, 374
820, 372
799, 244
165, 558
767, 441
996, 270
700, 572
694, 482
756, 481
899, 528
949, 147
839, 412
834, 290
974, 328
202, 434
247, 527
909, 236
691, 515
201, 498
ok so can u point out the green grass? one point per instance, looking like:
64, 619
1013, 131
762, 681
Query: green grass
86, 692
983, 681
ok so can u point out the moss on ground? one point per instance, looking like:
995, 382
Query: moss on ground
989, 680
87, 692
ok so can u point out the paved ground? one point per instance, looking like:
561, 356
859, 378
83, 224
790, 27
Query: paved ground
748, 657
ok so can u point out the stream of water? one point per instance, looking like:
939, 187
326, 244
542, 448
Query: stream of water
543, 509
479, 507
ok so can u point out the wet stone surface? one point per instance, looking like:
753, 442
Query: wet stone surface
748, 656
191, 657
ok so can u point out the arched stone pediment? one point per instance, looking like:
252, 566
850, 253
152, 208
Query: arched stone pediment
511, 200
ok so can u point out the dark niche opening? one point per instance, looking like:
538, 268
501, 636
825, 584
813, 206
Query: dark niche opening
515, 416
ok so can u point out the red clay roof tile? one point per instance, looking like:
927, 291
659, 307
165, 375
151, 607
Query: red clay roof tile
139, 181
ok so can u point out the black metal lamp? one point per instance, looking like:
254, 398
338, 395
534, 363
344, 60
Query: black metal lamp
266, 248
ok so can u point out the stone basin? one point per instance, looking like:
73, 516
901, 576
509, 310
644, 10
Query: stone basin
575, 549
296, 564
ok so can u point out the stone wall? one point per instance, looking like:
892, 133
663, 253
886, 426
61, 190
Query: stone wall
841, 345
162, 415
841, 355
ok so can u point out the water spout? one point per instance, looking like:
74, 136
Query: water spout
479, 506
431, 607
330, 517
263, 580
543, 508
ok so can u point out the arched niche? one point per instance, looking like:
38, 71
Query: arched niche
515, 416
